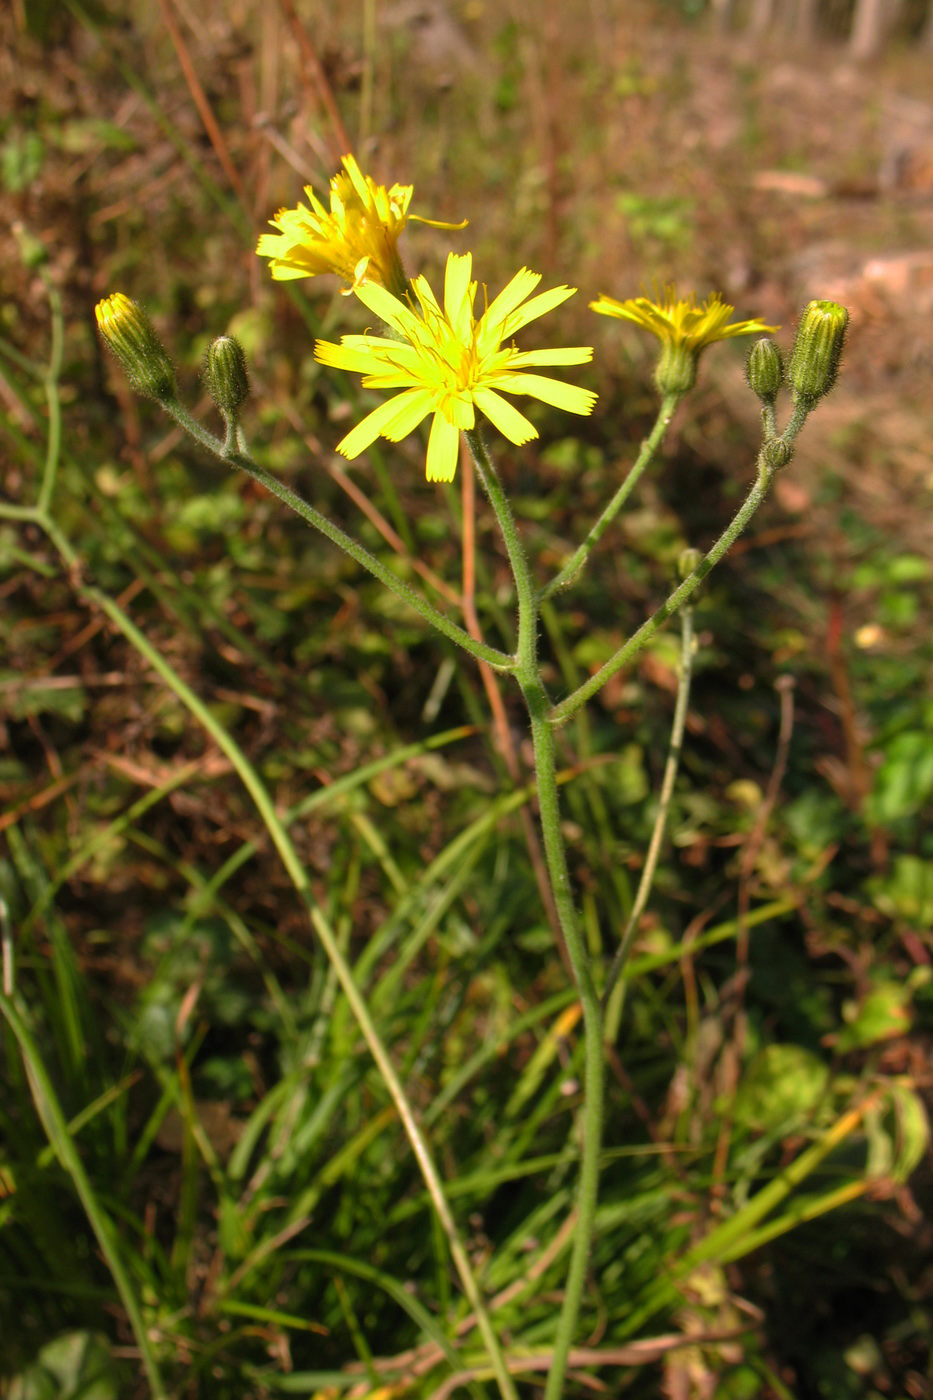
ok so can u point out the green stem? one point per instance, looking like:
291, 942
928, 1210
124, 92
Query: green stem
562, 712
56, 1130
528, 675
594, 1069
664, 801
648, 448
526, 656
497, 659
51, 378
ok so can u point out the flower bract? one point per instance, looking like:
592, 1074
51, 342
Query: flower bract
357, 238
451, 364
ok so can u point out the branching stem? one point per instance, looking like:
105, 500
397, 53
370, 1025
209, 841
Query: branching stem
649, 447
491, 655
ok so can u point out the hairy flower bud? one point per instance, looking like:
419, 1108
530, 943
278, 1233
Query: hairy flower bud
765, 370
226, 376
130, 335
777, 453
687, 561
817, 350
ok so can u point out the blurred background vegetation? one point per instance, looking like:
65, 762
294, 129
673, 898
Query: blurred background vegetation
225, 1111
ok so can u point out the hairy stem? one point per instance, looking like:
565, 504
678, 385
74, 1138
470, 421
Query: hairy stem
648, 448
636, 643
664, 802
497, 659
528, 675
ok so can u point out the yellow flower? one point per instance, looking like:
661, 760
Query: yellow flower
680, 321
683, 328
450, 364
357, 238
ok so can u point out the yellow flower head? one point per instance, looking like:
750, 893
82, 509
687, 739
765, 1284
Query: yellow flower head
449, 363
679, 321
357, 238
683, 328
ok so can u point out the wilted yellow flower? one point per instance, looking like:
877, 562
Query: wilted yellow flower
450, 364
683, 328
357, 238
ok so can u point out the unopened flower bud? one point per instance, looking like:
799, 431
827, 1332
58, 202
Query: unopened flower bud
765, 370
687, 561
226, 375
777, 453
817, 350
130, 335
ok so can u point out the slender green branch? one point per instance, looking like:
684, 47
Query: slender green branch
53, 398
648, 449
493, 657
526, 656
594, 1068
562, 712
13, 512
56, 1130
528, 676
664, 802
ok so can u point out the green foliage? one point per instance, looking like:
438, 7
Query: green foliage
76, 1366
667, 220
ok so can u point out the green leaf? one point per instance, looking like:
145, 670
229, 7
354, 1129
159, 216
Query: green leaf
881, 1014
784, 1084
74, 1365
904, 782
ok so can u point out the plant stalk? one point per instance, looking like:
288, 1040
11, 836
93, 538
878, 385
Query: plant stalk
491, 655
649, 447
528, 675
639, 640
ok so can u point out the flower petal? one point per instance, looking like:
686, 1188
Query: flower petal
520, 287
545, 301
457, 300
360, 359
387, 307
563, 355
443, 449
411, 409
429, 303
357, 179
374, 424
286, 272
569, 397
512, 424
